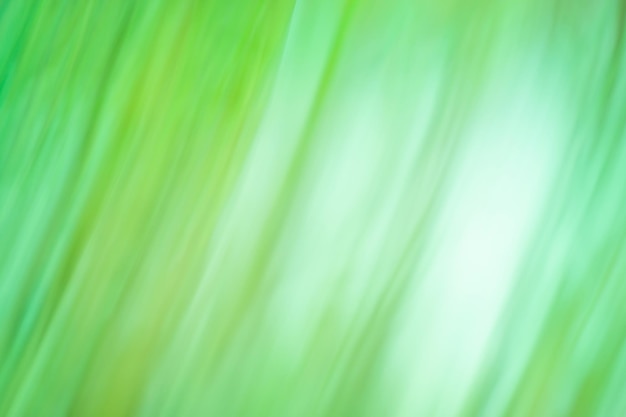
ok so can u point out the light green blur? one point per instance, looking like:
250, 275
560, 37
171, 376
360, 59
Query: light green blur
299, 208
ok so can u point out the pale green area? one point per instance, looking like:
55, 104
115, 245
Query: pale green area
312, 208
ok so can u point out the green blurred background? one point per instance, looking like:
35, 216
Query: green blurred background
294, 208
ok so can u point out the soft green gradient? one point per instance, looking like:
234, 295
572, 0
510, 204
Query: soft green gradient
312, 208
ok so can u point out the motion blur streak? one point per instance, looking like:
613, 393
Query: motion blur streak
296, 208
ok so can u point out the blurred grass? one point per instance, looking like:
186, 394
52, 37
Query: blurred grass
312, 208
